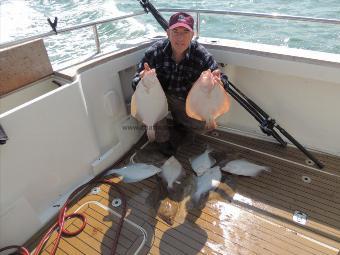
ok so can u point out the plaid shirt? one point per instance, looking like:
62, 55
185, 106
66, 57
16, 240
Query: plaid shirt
177, 79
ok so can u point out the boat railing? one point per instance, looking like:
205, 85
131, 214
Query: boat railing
93, 24
197, 13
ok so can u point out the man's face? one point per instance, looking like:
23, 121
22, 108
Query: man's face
180, 38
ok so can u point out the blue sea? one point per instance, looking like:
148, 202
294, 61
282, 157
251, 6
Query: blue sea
22, 18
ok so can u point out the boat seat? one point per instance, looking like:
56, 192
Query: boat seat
23, 64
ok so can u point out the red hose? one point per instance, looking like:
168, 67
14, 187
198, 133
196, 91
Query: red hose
62, 217
22, 250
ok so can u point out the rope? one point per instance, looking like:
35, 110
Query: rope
62, 218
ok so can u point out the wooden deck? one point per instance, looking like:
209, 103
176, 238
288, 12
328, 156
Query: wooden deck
257, 219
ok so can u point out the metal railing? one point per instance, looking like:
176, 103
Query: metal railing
197, 12
93, 24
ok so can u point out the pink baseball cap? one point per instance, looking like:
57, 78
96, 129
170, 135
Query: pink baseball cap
181, 19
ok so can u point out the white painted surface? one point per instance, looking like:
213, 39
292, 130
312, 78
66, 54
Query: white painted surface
27, 93
305, 108
99, 85
56, 142
299, 94
50, 149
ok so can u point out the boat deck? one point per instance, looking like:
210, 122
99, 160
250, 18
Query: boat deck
244, 216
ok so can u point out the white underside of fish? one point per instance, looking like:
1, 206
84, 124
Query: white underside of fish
207, 100
206, 182
202, 162
171, 171
149, 104
244, 168
135, 172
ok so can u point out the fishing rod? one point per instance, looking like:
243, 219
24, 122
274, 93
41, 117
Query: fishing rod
268, 125
148, 7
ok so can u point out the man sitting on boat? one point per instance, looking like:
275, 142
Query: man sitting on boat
179, 62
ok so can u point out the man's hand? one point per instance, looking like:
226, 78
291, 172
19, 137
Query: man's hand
216, 73
217, 76
146, 69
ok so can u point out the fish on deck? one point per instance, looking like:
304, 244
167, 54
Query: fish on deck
207, 182
135, 172
244, 168
202, 162
172, 171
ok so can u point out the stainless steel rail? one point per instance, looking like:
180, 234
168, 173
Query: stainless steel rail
197, 12
68, 29
254, 14
251, 14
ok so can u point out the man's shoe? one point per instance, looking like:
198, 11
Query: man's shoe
166, 149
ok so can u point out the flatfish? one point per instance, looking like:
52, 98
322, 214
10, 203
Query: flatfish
135, 172
206, 182
148, 103
160, 203
167, 210
207, 99
172, 171
202, 162
244, 168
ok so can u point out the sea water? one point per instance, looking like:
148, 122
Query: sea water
23, 18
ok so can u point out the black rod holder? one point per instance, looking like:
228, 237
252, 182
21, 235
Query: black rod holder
270, 128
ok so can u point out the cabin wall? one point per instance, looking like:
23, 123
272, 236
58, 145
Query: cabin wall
300, 95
